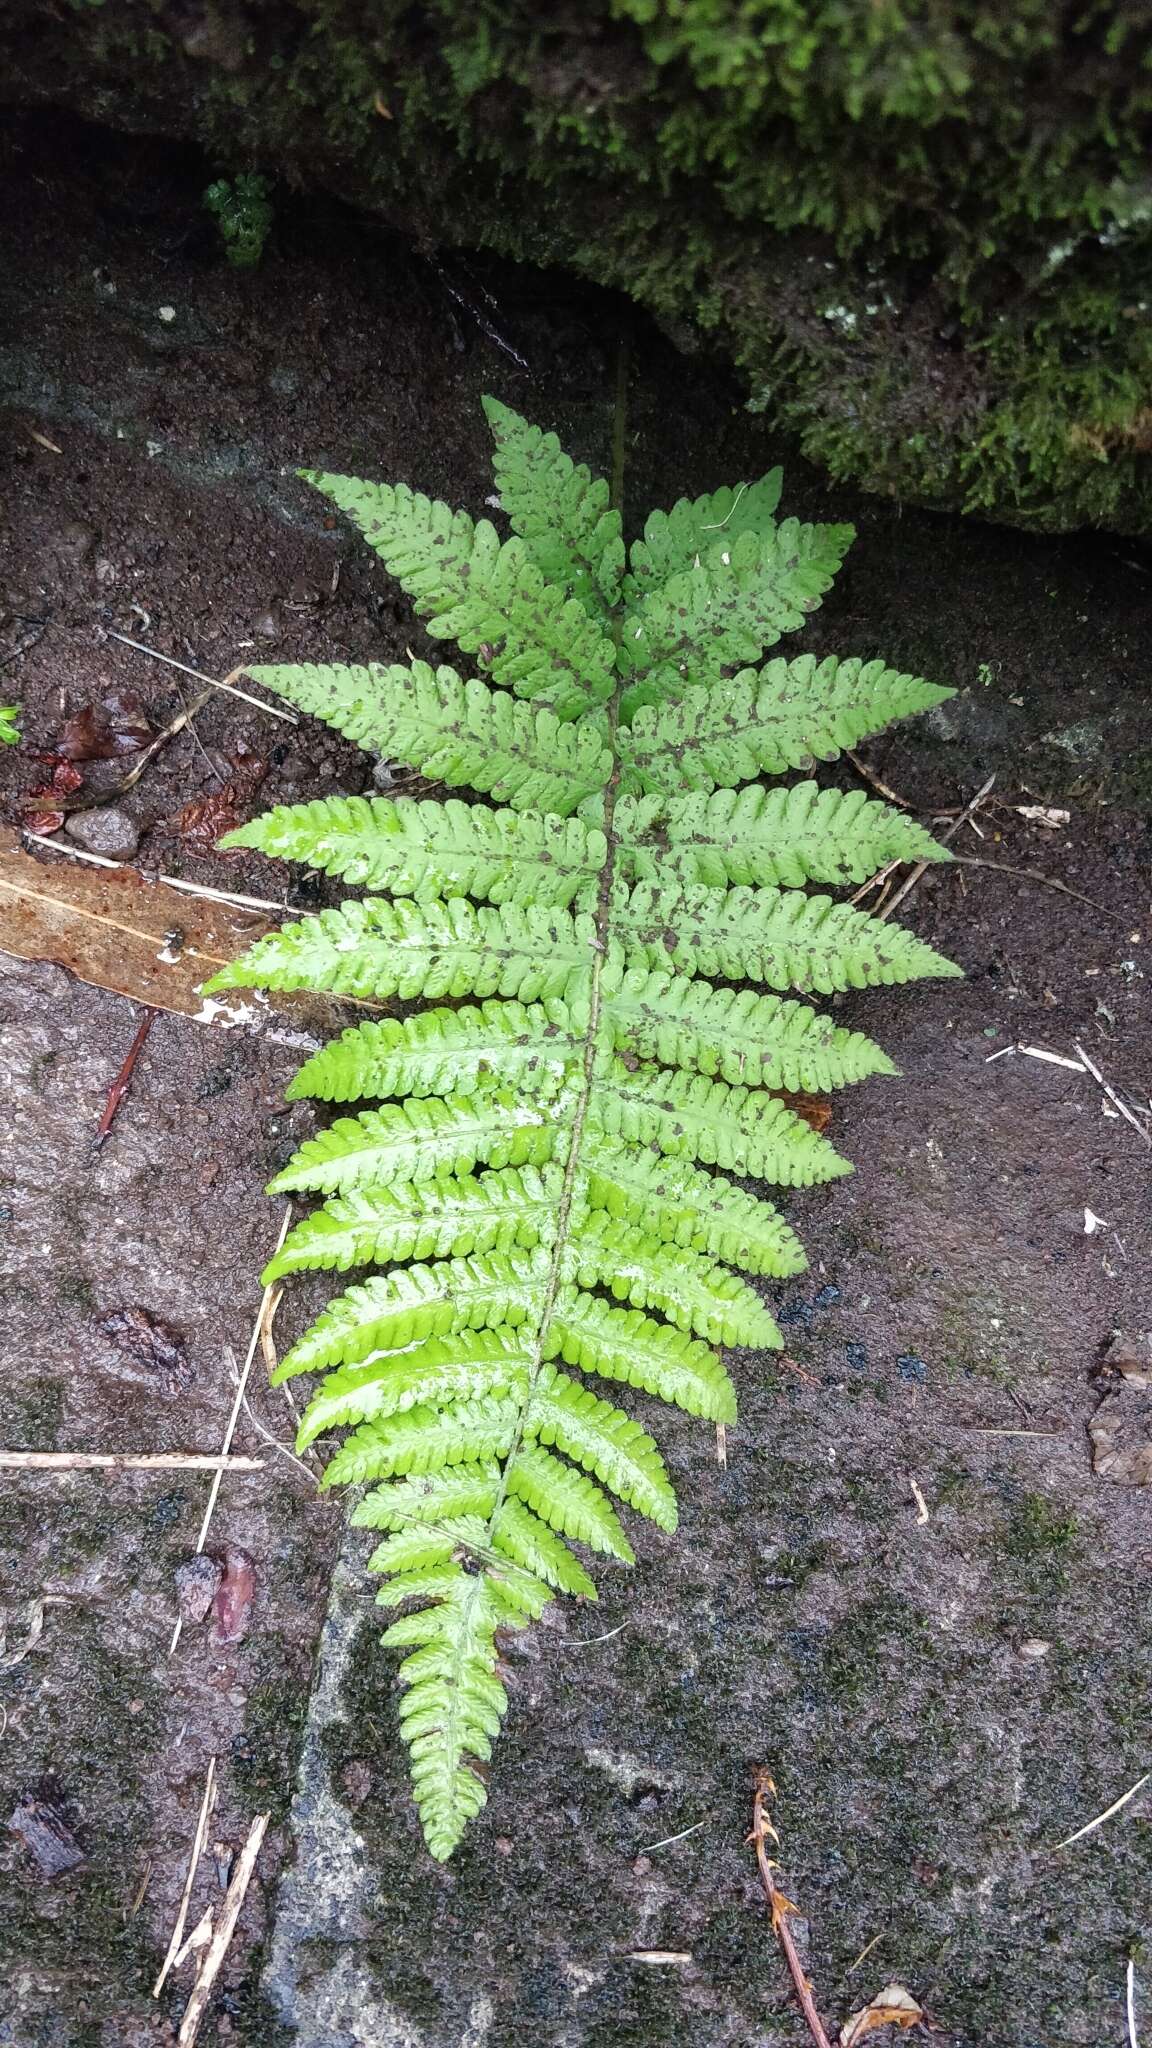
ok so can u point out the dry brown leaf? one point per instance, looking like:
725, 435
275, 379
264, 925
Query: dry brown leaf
117, 931
1121, 1433
815, 1110
892, 2007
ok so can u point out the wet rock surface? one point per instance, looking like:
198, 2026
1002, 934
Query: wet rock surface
881, 1656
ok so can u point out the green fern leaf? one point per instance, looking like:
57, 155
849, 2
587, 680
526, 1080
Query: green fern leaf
516, 1205
787, 715
469, 587
429, 849
727, 608
778, 837
696, 526
462, 734
778, 936
558, 508
414, 1141
540, 1176
438, 1052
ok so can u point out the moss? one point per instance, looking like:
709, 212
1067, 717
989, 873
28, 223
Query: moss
36, 1414
924, 234
264, 1753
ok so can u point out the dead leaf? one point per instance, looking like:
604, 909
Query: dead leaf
814, 1110
44, 1820
197, 1583
117, 931
1043, 814
232, 1606
1130, 1359
204, 821
102, 732
63, 781
155, 1345
892, 2007
1121, 1434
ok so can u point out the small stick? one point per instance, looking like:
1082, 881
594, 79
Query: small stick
922, 1513
1117, 1806
1110, 1092
218, 1946
273, 710
874, 881
174, 1944
1054, 1059
1130, 2001
123, 1081
659, 1956
721, 1445
100, 860
241, 1388
870, 776
125, 1461
922, 866
972, 860
668, 1840
866, 1951
781, 1908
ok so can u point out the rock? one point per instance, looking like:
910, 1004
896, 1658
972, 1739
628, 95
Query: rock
107, 831
849, 202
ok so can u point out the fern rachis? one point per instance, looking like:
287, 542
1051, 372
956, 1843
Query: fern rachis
540, 1173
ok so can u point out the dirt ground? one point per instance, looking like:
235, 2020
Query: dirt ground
907, 1592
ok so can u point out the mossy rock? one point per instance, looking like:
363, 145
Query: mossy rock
923, 231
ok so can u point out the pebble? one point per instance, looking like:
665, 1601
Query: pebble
384, 774
106, 831
827, 1297
795, 1312
1033, 1647
268, 626
912, 1368
857, 1357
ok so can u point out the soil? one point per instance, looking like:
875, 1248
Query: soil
906, 1592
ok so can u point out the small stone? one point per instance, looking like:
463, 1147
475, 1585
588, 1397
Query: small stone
912, 1368
105, 570
857, 1357
267, 625
827, 1297
1033, 1648
384, 774
795, 1311
106, 831
167, 314
197, 1583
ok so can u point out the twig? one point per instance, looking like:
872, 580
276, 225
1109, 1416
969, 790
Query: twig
22, 646
1130, 2001
101, 860
1110, 1092
877, 784
177, 1937
123, 1081
668, 1840
590, 1642
722, 1445
1117, 1806
273, 710
218, 1946
658, 1957
973, 860
874, 881
780, 1908
865, 1951
922, 866
260, 1428
241, 1388
126, 1461
1054, 1059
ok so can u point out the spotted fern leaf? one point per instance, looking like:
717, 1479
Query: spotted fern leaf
603, 968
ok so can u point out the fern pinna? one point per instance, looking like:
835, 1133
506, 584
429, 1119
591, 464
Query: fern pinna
546, 1185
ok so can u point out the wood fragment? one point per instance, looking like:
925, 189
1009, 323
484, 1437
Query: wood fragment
922, 1513
1109, 1812
126, 1461
883, 788
177, 1935
123, 1081
1053, 1059
1130, 2002
1113, 1098
221, 1940
780, 1908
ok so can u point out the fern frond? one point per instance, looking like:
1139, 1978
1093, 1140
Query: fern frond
778, 936
627, 1345
688, 1207
568, 1501
534, 1545
432, 1372
695, 1292
459, 1492
415, 1302
690, 1117
426, 1440
415, 1141
426, 849
515, 1205
602, 1438
559, 509
437, 1052
460, 733
786, 715
672, 540
470, 587
374, 949
766, 1041
727, 608
777, 837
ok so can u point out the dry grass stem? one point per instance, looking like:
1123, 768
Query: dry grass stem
1113, 1098
100, 860
273, 710
667, 1840
1109, 1812
218, 1946
922, 866
972, 860
883, 788
126, 1461
177, 1935
1130, 2002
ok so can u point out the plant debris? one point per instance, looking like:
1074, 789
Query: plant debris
201, 823
232, 1605
892, 2007
155, 1345
781, 1909
103, 732
1130, 1359
44, 1819
40, 804
1121, 1436
197, 1582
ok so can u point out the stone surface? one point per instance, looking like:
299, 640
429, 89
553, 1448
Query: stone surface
923, 234
106, 830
